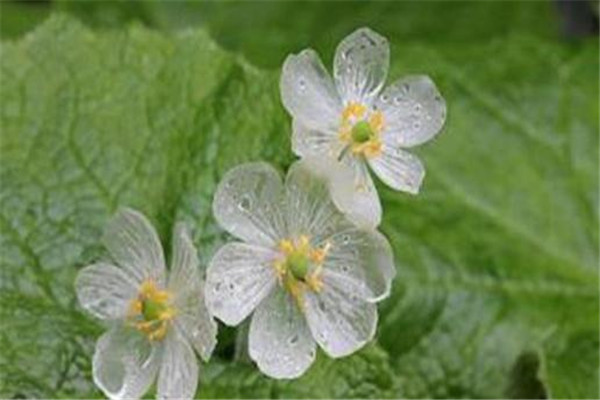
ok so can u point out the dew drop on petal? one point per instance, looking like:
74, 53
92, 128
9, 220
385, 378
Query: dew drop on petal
245, 203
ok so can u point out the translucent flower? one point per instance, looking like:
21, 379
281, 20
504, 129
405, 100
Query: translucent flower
352, 121
308, 273
155, 323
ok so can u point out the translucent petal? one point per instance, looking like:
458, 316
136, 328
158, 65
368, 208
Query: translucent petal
105, 290
314, 209
312, 142
280, 342
340, 320
310, 209
413, 109
238, 278
178, 376
134, 244
353, 191
185, 282
125, 363
361, 64
247, 203
308, 92
399, 169
363, 259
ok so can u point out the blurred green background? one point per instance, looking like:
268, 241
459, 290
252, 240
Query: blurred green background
148, 104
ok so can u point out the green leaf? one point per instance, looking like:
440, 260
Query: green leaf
497, 292
366, 374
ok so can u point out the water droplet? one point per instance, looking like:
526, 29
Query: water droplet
217, 287
345, 239
397, 100
294, 339
418, 107
384, 98
245, 203
322, 306
302, 84
345, 268
416, 125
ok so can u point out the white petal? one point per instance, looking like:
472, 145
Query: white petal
309, 206
125, 363
340, 320
399, 169
185, 282
363, 259
350, 188
308, 93
178, 377
354, 192
312, 142
361, 64
105, 291
280, 342
247, 203
413, 109
239, 277
134, 244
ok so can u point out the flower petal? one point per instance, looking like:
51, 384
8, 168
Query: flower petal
399, 169
247, 203
350, 188
192, 318
340, 320
239, 277
134, 244
361, 64
312, 142
178, 376
125, 363
310, 209
308, 93
105, 290
413, 109
354, 192
280, 342
364, 260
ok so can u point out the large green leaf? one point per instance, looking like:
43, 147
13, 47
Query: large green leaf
497, 293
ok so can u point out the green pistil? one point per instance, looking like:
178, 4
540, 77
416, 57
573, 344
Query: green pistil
361, 132
298, 265
151, 310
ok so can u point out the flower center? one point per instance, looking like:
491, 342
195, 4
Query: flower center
150, 312
360, 129
361, 132
300, 265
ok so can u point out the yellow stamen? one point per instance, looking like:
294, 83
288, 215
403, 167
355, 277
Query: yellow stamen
354, 114
354, 110
300, 267
376, 121
151, 312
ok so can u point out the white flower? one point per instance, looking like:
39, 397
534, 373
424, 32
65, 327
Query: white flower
308, 273
155, 322
351, 121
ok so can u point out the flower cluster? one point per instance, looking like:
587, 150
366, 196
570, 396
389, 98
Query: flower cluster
308, 265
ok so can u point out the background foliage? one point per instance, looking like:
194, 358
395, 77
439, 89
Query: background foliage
149, 104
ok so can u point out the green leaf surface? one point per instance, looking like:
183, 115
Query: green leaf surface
497, 287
